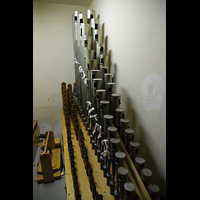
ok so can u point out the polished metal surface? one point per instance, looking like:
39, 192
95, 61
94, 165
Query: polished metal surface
119, 113
133, 149
108, 78
129, 188
129, 136
115, 103
121, 179
146, 176
124, 124
110, 88
108, 120
139, 164
104, 109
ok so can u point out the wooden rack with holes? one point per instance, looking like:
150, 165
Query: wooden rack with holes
100, 181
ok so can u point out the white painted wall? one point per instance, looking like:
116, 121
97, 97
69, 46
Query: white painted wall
137, 39
52, 60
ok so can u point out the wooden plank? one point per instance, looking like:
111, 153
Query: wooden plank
84, 186
47, 171
68, 175
34, 124
55, 160
40, 178
35, 141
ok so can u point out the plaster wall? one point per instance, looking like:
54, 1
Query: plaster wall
137, 39
52, 60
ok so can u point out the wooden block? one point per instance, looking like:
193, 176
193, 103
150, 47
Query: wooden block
56, 140
46, 167
55, 160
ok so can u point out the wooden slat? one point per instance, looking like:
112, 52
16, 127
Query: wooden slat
34, 124
56, 140
68, 175
47, 172
133, 175
84, 186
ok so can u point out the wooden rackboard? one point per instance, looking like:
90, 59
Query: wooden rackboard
100, 181
81, 173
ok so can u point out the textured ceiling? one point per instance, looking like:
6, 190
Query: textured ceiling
70, 2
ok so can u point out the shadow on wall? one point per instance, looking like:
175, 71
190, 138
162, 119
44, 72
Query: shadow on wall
140, 136
48, 118
129, 111
150, 161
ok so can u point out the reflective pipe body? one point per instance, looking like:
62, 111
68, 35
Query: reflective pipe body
108, 78
94, 23
119, 161
129, 188
133, 149
103, 70
139, 164
122, 174
119, 113
96, 84
94, 73
115, 103
146, 176
124, 124
111, 133
129, 136
104, 110
108, 120
90, 15
100, 95
114, 147
110, 88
